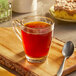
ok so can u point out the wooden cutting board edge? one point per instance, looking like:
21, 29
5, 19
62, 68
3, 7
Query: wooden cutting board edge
16, 67
71, 69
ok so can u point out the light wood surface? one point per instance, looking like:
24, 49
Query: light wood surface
12, 55
4, 72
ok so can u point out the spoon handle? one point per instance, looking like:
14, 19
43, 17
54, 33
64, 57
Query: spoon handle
60, 71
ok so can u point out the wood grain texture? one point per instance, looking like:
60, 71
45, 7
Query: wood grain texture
12, 55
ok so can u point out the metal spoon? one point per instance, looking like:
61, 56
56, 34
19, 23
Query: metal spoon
67, 52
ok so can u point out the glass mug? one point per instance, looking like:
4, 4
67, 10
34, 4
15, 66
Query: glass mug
36, 35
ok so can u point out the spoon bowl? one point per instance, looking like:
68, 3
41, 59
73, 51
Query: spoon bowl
68, 49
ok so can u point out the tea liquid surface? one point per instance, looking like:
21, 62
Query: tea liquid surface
36, 45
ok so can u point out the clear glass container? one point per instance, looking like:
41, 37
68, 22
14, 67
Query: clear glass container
5, 12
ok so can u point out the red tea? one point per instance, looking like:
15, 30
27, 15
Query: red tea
36, 45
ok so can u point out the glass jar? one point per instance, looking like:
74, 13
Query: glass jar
5, 12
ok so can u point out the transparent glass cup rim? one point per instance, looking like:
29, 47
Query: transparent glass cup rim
22, 22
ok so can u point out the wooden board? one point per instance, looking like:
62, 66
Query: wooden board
4, 72
12, 55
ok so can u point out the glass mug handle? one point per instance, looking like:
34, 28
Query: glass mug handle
16, 26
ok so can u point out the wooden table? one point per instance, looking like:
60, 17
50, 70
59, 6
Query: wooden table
64, 31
